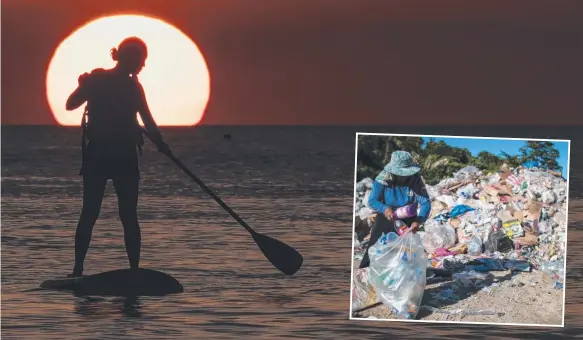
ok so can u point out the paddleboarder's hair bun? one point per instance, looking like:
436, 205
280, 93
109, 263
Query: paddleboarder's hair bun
130, 49
114, 53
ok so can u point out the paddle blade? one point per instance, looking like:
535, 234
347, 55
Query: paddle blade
282, 256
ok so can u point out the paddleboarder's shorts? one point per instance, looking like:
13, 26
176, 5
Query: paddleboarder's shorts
110, 160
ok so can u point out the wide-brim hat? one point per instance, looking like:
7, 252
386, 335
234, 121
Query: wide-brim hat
401, 164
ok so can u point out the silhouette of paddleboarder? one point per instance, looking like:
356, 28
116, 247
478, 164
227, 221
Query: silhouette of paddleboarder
111, 142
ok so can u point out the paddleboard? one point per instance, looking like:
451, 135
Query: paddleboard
120, 282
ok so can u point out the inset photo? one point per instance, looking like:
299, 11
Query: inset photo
460, 229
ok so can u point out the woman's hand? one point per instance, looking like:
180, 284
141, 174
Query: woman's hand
388, 214
414, 227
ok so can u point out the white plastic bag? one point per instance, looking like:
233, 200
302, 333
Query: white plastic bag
364, 185
448, 200
549, 197
475, 245
397, 272
365, 213
361, 289
366, 198
438, 236
467, 172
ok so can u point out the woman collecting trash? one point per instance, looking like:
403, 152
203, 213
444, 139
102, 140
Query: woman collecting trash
397, 190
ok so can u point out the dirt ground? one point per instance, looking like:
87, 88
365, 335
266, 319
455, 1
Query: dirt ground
519, 298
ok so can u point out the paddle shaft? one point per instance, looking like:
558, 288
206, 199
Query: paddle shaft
206, 189
212, 194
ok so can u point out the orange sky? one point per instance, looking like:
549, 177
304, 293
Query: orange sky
336, 61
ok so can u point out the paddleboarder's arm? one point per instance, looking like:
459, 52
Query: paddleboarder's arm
144, 111
79, 96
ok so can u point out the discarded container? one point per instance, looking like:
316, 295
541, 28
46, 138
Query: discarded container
401, 227
407, 211
513, 229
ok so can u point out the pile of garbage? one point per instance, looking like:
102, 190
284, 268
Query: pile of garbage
514, 219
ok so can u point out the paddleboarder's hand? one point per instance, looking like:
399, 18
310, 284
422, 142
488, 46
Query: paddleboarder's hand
82, 80
164, 148
389, 214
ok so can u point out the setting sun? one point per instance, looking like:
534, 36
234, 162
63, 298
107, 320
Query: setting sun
175, 78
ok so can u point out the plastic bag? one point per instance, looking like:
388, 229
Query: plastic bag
475, 246
398, 272
460, 210
531, 164
432, 191
467, 172
364, 185
498, 241
439, 236
544, 227
554, 269
365, 213
361, 289
470, 278
448, 200
366, 198
549, 197
468, 191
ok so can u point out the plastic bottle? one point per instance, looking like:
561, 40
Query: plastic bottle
400, 226
475, 246
406, 211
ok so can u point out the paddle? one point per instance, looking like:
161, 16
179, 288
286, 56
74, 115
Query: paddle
282, 256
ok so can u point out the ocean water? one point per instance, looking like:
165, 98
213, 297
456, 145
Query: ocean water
292, 183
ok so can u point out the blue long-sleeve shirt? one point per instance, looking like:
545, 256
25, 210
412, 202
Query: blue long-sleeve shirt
383, 197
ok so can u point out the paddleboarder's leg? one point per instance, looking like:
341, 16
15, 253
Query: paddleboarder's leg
127, 189
93, 190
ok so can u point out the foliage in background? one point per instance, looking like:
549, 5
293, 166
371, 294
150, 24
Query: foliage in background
543, 152
438, 160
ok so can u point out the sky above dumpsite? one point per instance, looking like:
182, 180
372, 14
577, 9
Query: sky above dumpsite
510, 146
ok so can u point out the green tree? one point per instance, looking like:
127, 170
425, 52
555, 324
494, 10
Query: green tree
512, 161
375, 151
488, 161
543, 152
